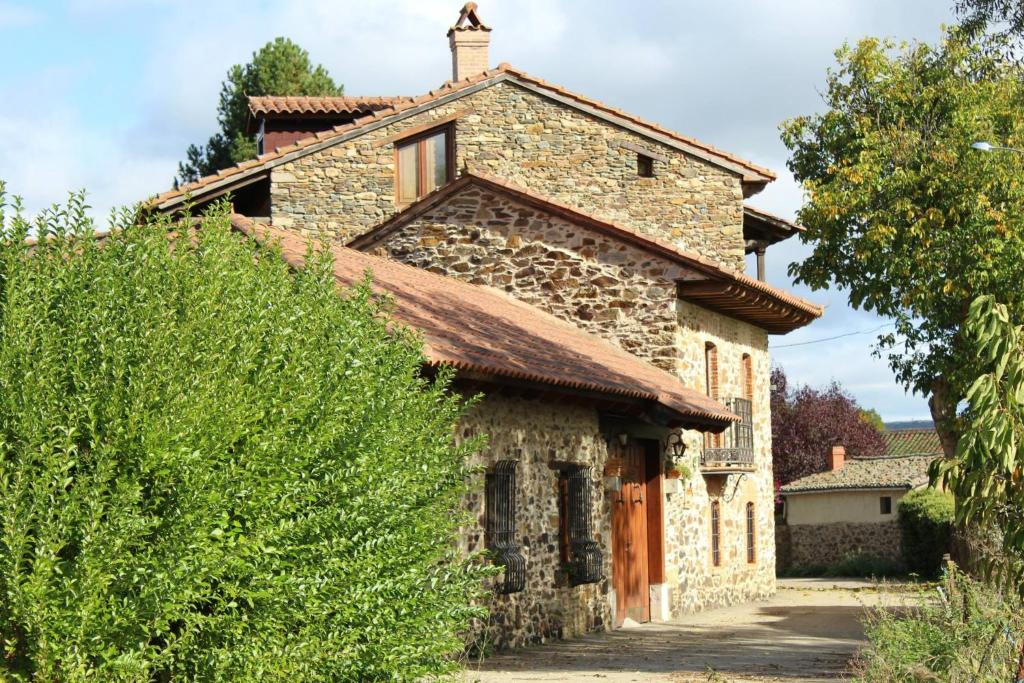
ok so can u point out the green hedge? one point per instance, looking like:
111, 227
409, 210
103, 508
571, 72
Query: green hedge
215, 469
926, 526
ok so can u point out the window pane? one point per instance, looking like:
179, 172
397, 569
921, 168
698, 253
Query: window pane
435, 151
407, 172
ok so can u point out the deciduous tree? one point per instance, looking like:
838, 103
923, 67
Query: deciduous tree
902, 212
807, 422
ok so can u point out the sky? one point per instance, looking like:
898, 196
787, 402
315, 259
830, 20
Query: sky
106, 95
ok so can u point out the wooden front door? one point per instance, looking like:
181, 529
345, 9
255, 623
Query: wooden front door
630, 570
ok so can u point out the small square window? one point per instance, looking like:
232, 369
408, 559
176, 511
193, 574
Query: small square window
644, 166
885, 505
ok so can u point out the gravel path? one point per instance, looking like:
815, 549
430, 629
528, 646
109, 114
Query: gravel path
807, 632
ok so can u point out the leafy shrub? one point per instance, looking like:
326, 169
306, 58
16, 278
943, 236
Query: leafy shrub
961, 630
926, 527
213, 468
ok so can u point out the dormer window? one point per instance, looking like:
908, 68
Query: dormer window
644, 166
423, 163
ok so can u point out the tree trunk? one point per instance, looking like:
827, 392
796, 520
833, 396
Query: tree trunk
1020, 664
943, 408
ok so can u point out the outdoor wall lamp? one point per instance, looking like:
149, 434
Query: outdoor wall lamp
675, 446
983, 146
623, 439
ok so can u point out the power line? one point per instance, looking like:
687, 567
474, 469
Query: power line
838, 336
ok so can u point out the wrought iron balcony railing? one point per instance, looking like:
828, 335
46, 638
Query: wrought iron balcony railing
735, 447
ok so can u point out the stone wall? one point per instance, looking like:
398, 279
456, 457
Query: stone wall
698, 584
822, 545
627, 296
597, 283
535, 434
540, 144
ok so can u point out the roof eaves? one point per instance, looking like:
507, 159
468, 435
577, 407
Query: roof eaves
849, 489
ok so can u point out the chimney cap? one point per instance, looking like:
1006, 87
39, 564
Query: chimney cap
468, 14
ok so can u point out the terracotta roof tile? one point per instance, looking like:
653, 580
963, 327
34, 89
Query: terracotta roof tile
264, 105
912, 442
480, 329
637, 238
868, 473
757, 173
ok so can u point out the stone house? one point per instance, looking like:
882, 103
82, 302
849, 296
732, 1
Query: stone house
853, 507
583, 269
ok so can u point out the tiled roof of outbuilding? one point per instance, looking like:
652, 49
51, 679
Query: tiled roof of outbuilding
481, 330
750, 172
867, 473
912, 442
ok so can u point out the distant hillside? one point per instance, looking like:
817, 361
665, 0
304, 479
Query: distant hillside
910, 424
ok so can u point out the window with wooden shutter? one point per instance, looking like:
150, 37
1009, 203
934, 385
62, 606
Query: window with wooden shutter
581, 555
500, 527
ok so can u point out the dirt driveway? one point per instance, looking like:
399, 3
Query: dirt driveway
807, 632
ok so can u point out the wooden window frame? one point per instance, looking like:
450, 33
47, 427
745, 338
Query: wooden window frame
419, 139
716, 534
751, 534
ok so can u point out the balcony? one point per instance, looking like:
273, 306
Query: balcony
733, 449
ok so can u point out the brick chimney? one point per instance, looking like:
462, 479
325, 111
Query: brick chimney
469, 39
837, 458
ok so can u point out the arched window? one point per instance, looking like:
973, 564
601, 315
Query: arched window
751, 534
716, 529
711, 369
711, 387
748, 377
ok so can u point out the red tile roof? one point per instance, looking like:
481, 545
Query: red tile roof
798, 311
750, 171
912, 442
481, 330
300, 105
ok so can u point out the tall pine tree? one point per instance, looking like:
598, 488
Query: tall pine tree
279, 68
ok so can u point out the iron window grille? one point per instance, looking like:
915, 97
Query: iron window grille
738, 448
580, 552
500, 495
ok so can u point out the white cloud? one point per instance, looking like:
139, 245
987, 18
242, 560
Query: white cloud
12, 15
